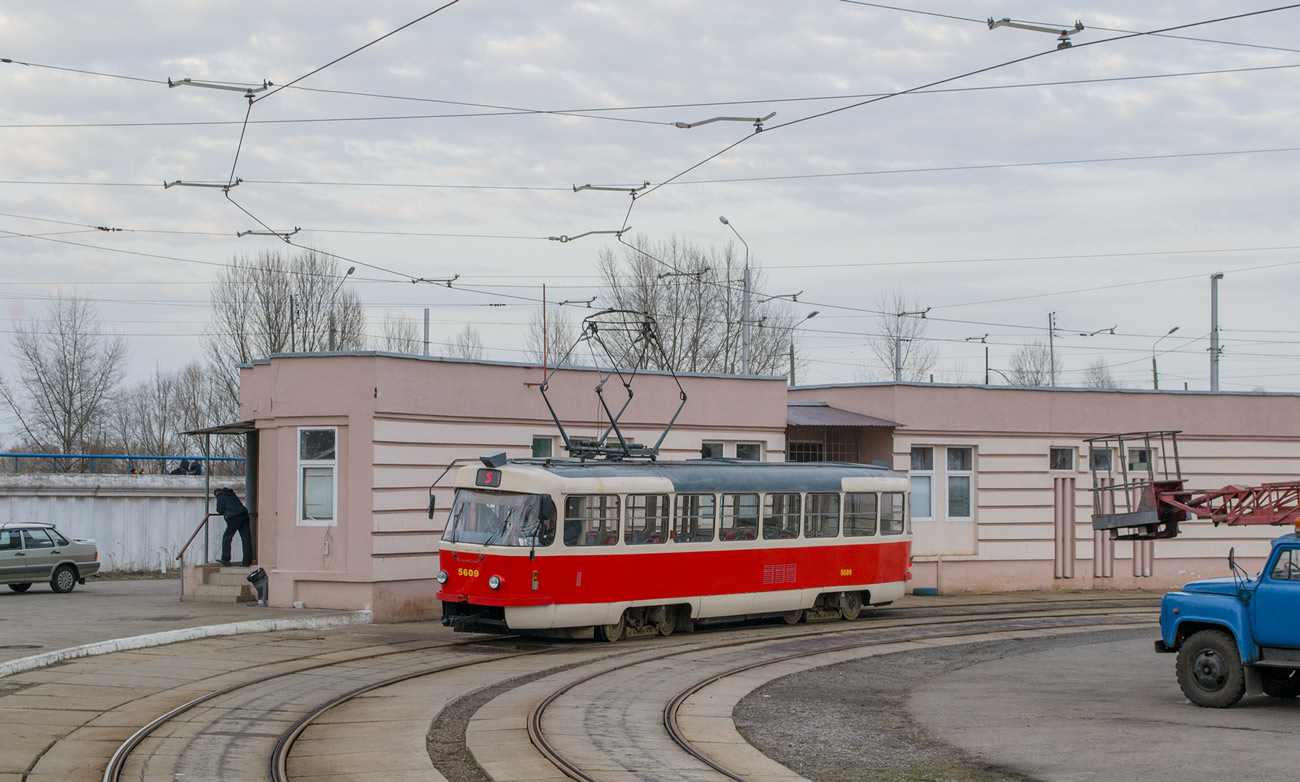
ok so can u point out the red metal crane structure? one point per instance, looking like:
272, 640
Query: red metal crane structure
1144, 497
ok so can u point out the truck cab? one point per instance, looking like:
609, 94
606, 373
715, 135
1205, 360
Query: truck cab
1231, 633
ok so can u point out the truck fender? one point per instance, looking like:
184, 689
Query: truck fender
1184, 613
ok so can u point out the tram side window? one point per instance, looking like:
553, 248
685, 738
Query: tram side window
647, 518
860, 510
695, 517
591, 520
781, 516
739, 517
892, 520
823, 517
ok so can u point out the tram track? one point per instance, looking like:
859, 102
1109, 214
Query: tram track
113, 770
872, 639
276, 758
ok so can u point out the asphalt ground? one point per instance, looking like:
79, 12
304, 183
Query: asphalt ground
1094, 707
40, 621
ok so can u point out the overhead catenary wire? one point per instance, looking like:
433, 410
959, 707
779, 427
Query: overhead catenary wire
946, 80
593, 112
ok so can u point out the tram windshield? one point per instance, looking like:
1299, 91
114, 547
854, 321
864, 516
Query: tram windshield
497, 519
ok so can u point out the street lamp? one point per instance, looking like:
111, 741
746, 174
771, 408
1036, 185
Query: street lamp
333, 334
807, 317
1155, 374
744, 306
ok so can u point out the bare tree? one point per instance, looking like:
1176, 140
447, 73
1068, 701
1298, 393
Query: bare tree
549, 343
468, 343
1098, 375
900, 343
400, 334
63, 376
275, 304
696, 297
150, 417
1033, 365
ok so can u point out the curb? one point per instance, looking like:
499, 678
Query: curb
176, 636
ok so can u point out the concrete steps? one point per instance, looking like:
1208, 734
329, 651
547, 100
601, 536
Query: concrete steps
219, 584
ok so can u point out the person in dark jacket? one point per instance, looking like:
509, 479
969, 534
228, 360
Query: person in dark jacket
236, 515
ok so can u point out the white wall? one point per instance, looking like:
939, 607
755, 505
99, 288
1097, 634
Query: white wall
138, 522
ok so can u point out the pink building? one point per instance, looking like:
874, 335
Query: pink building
1001, 478
347, 445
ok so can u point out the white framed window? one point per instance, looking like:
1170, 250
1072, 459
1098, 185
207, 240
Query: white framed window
711, 450
922, 475
961, 478
543, 447
1060, 459
318, 486
752, 452
1140, 459
1101, 459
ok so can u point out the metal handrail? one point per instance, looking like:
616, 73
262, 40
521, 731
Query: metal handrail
180, 558
202, 524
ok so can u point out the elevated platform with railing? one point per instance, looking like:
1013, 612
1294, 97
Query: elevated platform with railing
1146, 498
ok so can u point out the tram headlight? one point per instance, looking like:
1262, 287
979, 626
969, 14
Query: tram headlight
495, 582
441, 577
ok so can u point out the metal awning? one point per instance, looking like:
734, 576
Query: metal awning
239, 427
822, 414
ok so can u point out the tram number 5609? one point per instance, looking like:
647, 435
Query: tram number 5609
846, 571
467, 572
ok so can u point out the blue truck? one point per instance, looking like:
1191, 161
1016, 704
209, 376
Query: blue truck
1237, 634
1232, 635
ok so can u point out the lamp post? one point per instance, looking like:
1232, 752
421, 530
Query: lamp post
346, 275
807, 317
1155, 374
744, 305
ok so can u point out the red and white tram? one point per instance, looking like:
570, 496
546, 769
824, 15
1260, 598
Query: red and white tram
629, 548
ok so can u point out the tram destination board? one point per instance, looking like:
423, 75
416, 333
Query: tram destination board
489, 478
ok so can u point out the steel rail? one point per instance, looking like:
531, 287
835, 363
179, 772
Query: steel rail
538, 737
674, 706
113, 771
284, 744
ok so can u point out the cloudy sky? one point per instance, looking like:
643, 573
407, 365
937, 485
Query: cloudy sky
1103, 183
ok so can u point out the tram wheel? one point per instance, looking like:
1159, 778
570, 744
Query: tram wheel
793, 617
614, 632
669, 623
850, 605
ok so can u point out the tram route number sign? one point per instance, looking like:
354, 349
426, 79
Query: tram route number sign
489, 478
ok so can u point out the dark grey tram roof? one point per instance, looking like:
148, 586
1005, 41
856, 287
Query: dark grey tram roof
709, 475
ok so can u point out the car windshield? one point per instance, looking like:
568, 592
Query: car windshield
493, 519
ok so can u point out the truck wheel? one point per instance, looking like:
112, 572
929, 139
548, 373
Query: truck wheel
1210, 671
1280, 684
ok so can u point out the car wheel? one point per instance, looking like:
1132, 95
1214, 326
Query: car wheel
1209, 668
63, 579
1280, 684
20, 587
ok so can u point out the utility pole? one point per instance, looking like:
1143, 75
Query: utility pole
1214, 330
898, 350
1051, 347
293, 328
426, 331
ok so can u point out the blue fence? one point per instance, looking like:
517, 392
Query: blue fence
133, 463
